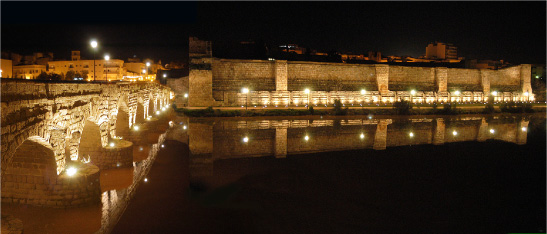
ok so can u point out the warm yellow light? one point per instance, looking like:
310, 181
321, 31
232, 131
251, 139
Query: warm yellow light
143, 71
184, 127
495, 93
245, 90
306, 91
106, 57
136, 128
157, 112
145, 179
71, 171
412, 92
362, 136
185, 95
454, 133
492, 131
94, 44
162, 146
523, 129
245, 139
363, 91
526, 94
306, 137
164, 75
112, 144
148, 64
411, 134
457, 93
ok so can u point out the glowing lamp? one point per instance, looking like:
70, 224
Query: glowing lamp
94, 44
413, 92
145, 179
157, 112
492, 131
495, 93
306, 138
245, 90
245, 139
523, 129
106, 57
411, 134
71, 171
136, 128
185, 95
363, 92
362, 136
306, 91
112, 144
454, 133
184, 127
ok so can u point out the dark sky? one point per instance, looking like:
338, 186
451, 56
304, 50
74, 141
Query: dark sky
514, 31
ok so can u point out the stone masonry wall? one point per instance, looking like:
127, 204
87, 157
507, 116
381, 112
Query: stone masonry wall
276, 82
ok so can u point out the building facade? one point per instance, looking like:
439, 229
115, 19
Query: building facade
6, 70
440, 50
105, 70
28, 71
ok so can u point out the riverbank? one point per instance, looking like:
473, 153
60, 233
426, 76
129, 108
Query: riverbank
385, 109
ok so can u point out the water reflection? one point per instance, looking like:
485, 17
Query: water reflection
118, 186
210, 139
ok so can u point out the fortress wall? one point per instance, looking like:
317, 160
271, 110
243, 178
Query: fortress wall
505, 80
282, 82
232, 75
330, 76
404, 78
464, 79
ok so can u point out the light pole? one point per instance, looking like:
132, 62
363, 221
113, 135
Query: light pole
143, 72
94, 46
147, 68
246, 91
307, 91
106, 58
363, 98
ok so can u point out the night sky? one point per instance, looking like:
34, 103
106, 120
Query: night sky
513, 31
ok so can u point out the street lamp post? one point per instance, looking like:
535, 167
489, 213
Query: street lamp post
363, 98
307, 91
94, 46
147, 68
246, 91
106, 59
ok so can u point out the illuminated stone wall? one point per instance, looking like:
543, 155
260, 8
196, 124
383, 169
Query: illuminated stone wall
282, 82
55, 111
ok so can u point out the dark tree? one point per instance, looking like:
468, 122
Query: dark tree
43, 76
70, 75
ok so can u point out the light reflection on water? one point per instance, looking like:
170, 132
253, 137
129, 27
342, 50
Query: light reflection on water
214, 139
118, 189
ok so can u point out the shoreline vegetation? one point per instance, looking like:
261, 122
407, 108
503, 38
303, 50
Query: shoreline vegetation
398, 108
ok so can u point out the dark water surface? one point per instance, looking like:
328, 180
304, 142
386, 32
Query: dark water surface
478, 174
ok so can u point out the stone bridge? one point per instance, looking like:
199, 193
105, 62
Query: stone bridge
46, 126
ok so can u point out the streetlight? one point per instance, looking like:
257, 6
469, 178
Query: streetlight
363, 91
307, 91
164, 75
106, 58
94, 45
246, 91
412, 93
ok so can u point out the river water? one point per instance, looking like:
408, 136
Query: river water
321, 174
